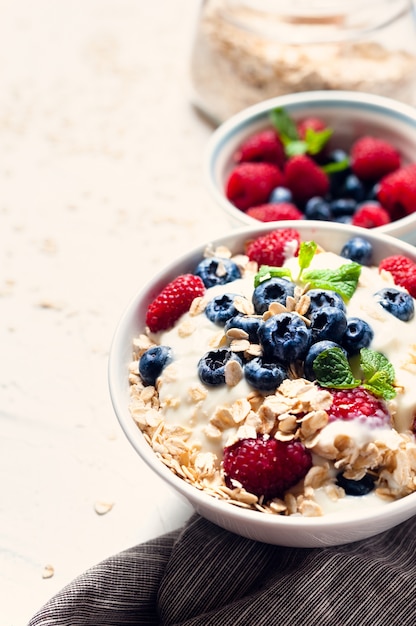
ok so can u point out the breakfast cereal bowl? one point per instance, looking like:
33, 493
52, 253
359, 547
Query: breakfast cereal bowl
341, 518
350, 116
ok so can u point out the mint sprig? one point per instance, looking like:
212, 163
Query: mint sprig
378, 372
336, 166
284, 125
343, 280
266, 272
332, 369
316, 140
307, 251
313, 142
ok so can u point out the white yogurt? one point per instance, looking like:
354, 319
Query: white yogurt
392, 337
182, 374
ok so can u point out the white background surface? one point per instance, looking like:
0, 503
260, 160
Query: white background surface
100, 186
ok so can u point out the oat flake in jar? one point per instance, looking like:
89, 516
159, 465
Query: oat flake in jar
246, 51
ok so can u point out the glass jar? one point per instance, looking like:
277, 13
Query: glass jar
246, 51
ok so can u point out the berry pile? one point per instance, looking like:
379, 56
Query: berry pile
286, 339
318, 341
294, 171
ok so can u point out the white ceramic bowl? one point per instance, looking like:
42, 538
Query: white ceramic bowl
349, 114
330, 529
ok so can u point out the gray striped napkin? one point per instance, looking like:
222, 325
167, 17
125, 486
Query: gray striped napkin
202, 575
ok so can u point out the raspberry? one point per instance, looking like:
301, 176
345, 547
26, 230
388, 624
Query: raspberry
403, 271
272, 212
398, 265
265, 146
250, 184
373, 158
409, 281
314, 123
397, 192
305, 178
272, 249
265, 466
173, 301
358, 404
370, 215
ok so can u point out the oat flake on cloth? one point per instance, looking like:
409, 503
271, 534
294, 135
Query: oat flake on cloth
202, 575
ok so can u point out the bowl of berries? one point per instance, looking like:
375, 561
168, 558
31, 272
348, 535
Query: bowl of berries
334, 156
269, 378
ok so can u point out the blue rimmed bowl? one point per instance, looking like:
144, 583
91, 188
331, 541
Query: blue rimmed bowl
350, 114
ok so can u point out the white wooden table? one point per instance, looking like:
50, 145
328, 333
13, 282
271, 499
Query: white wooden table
100, 186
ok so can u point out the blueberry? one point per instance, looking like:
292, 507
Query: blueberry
249, 324
315, 350
398, 303
284, 337
264, 376
221, 308
217, 271
280, 194
358, 334
359, 250
324, 297
338, 156
337, 179
372, 192
360, 487
152, 363
211, 367
353, 188
343, 207
328, 322
272, 290
343, 219
318, 209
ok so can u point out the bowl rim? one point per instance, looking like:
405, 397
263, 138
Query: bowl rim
383, 105
119, 397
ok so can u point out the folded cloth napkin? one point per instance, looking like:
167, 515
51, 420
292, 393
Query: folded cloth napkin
202, 575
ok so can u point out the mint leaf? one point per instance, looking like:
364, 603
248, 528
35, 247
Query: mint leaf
380, 388
316, 140
343, 280
288, 132
284, 125
378, 373
337, 166
293, 148
373, 362
307, 251
266, 272
332, 369
313, 142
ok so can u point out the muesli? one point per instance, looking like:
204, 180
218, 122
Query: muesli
281, 379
